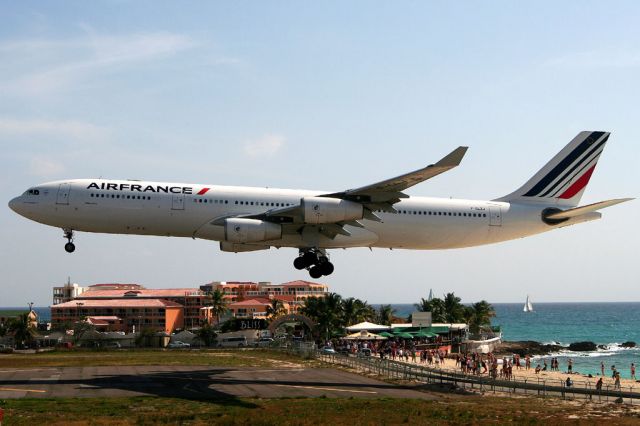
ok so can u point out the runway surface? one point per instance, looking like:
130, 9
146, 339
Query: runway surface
194, 382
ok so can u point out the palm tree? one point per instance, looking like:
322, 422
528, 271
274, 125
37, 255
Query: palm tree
481, 314
325, 311
355, 311
217, 302
206, 334
22, 329
435, 306
276, 309
385, 314
80, 328
453, 308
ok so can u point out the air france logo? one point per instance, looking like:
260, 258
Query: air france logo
148, 188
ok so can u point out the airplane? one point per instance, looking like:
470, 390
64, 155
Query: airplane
379, 215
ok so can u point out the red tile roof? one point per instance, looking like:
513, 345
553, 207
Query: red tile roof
119, 303
140, 293
301, 282
115, 285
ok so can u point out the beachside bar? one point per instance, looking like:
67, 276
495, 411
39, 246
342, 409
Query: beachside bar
438, 336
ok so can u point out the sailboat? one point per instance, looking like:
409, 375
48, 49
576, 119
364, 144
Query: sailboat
528, 307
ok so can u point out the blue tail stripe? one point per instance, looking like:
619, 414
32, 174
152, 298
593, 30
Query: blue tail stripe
566, 162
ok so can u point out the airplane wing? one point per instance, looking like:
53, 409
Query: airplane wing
382, 195
378, 196
578, 211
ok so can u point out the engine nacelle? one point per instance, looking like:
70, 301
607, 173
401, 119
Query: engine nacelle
238, 230
330, 210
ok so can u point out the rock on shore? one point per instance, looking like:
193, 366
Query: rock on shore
527, 347
583, 346
628, 345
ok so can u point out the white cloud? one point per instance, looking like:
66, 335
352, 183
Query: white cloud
266, 146
45, 167
56, 64
76, 130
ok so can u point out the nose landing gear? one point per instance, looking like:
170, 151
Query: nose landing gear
315, 261
69, 247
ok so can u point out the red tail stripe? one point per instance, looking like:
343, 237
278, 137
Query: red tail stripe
578, 185
203, 191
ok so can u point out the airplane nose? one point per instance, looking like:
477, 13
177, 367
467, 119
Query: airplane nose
13, 204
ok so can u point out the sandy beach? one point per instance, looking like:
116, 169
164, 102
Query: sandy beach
549, 377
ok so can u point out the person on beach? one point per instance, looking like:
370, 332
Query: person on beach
599, 384
613, 371
570, 366
545, 365
602, 368
527, 362
538, 368
616, 384
568, 382
633, 371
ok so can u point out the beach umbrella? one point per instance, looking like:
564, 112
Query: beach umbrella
423, 333
385, 334
364, 335
369, 326
404, 335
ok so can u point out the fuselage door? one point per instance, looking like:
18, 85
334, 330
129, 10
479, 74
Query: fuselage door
177, 202
63, 193
495, 216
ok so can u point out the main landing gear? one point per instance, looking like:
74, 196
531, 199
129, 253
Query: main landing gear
69, 247
315, 261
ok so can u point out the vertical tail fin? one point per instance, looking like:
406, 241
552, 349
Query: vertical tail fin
563, 179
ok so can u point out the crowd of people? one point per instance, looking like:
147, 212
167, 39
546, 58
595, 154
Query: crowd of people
475, 363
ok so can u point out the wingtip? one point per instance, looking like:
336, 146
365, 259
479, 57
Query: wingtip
454, 157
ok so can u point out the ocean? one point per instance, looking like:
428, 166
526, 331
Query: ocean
563, 323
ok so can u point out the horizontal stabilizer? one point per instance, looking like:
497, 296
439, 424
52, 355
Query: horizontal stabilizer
579, 211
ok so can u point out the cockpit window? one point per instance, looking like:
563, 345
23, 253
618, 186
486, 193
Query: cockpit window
33, 192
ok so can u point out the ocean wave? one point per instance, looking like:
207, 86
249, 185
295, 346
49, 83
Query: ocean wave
612, 349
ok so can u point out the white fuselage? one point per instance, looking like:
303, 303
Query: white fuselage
188, 210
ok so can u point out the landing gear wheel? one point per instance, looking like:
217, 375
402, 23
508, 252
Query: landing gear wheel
300, 263
310, 258
327, 268
68, 234
315, 272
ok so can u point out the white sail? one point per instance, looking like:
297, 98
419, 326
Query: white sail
528, 307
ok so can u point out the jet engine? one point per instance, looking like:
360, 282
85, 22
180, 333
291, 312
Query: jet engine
239, 230
330, 210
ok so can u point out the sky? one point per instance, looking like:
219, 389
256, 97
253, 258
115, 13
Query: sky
328, 96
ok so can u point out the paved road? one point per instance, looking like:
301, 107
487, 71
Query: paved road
194, 382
